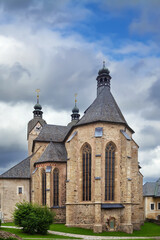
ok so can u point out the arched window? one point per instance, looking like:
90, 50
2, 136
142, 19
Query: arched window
86, 159
43, 187
55, 187
109, 172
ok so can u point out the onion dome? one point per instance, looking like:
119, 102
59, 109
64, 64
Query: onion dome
75, 109
37, 106
104, 70
103, 79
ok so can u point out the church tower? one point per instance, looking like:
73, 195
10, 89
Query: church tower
35, 125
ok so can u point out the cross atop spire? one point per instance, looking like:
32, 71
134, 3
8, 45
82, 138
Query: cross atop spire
37, 91
104, 64
75, 98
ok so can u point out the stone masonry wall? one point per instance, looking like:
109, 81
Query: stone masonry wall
126, 178
10, 196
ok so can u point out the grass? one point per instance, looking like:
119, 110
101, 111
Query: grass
147, 230
19, 233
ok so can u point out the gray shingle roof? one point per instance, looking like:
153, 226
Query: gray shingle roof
104, 108
53, 133
32, 123
152, 189
21, 170
54, 152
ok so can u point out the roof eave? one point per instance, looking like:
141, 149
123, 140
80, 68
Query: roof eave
15, 178
82, 124
64, 161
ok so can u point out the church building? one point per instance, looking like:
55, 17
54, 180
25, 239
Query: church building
86, 172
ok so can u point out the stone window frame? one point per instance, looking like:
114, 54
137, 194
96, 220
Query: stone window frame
86, 152
43, 180
158, 206
152, 204
18, 188
110, 165
56, 187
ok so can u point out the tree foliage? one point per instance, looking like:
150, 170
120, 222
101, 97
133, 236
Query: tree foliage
33, 218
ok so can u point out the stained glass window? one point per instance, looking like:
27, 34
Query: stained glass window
43, 187
86, 158
55, 187
109, 172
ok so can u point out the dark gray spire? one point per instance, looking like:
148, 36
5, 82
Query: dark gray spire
103, 79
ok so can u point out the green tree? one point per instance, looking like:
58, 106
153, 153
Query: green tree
33, 218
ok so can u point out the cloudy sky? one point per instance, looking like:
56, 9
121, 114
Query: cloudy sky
59, 46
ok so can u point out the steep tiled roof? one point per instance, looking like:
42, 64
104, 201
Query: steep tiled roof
152, 189
53, 133
104, 108
21, 170
55, 152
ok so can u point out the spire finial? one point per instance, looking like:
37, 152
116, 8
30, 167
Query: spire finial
37, 91
104, 64
75, 98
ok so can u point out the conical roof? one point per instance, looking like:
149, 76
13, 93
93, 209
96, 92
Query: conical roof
104, 108
55, 152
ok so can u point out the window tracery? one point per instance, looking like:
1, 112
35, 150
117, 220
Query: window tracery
86, 159
56, 187
109, 171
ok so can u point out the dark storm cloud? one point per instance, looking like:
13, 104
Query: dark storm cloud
151, 109
44, 12
10, 156
150, 137
13, 80
152, 113
154, 93
73, 72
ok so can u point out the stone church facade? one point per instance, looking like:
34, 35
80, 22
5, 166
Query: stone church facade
87, 172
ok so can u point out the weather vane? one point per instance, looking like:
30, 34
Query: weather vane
37, 91
104, 64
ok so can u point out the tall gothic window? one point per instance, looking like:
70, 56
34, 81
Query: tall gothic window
55, 187
86, 159
109, 172
43, 187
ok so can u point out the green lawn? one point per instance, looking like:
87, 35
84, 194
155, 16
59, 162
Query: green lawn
19, 233
147, 230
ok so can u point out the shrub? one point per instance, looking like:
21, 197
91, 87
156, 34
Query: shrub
33, 218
